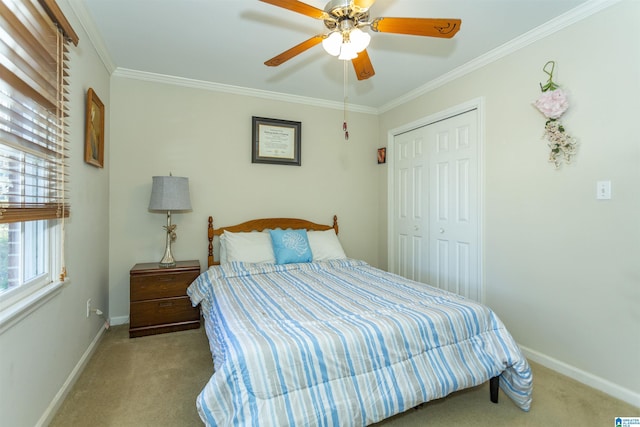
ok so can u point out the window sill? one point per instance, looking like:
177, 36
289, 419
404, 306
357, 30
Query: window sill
21, 309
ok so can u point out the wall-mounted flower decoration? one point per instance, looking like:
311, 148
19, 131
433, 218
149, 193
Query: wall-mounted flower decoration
553, 103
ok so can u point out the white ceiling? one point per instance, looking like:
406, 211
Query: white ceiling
227, 41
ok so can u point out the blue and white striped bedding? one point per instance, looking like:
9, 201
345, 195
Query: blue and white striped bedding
342, 343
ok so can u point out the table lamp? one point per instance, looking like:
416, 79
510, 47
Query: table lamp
169, 193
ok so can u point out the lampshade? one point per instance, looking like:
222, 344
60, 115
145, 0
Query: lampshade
346, 45
347, 52
332, 43
359, 39
170, 193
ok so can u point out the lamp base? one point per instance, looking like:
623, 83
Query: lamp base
167, 260
166, 264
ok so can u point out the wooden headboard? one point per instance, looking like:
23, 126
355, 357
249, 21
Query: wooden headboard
263, 224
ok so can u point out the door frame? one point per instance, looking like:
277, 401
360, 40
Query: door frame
473, 104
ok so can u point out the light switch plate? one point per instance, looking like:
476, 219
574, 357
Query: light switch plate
603, 190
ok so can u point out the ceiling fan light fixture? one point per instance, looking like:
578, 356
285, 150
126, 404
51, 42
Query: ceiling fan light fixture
347, 52
332, 43
346, 44
359, 39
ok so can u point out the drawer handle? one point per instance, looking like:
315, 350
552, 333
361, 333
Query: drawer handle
165, 304
166, 279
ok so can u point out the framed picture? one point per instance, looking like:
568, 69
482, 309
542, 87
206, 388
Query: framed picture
94, 130
275, 141
382, 155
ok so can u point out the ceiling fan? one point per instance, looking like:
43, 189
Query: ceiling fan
345, 39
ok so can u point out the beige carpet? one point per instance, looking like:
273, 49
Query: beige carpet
154, 381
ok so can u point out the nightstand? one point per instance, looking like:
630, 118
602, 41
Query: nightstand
159, 301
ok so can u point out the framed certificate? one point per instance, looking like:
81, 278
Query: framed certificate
276, 141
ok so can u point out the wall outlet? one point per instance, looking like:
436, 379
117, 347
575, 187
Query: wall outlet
88, 307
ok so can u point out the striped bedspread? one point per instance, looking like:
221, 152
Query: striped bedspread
341, 343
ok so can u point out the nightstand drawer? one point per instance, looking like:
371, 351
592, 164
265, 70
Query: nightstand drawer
161, 311
158, 298
160, 286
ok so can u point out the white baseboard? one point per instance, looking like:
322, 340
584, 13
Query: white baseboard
53, 407
120, 320
606, 386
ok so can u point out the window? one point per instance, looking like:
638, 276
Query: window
33, 201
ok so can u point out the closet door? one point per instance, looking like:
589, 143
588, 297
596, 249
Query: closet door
453, 205
411, 206
436, 225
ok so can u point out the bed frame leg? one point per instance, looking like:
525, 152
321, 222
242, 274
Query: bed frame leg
494, 386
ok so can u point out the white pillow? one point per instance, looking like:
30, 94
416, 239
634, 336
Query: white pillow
325, 245
223, 249
252, 247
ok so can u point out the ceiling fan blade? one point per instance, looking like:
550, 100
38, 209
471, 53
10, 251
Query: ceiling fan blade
363, 4
296, 50
430, 27
362, 65
300, 7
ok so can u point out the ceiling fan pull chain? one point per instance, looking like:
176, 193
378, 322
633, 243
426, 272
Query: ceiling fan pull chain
344, 123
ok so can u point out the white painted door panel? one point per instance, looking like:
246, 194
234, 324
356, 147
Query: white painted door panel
453, 217
410, 208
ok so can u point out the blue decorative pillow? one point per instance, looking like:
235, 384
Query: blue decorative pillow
290, 246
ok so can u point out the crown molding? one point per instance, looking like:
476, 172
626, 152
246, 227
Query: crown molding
238, 90
88, 25
574, 15
86, 22
560, 22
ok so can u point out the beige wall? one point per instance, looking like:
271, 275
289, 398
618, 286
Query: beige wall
561, 268
39, 353
205, 135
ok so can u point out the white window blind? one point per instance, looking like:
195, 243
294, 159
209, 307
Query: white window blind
34, 36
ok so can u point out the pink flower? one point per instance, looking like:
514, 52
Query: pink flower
552, 103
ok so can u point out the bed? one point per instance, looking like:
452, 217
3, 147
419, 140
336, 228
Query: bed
319, 339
